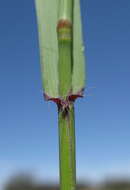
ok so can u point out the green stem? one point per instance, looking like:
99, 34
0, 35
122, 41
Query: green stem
65, 45
66, 107
66, 9
67, 149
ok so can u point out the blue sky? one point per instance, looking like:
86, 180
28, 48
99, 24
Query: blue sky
28, 124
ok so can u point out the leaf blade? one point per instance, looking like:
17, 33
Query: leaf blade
47, 22
78, 78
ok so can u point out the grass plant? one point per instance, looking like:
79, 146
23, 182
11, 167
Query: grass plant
63, 73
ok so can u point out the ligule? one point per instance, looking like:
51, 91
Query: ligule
64, 29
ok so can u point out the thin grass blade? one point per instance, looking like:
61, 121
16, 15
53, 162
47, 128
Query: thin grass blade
78, 78
47, 20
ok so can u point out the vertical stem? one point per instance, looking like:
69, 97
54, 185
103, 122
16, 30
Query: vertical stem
67, 149
64, 30
66, 9
66, 108
65, 45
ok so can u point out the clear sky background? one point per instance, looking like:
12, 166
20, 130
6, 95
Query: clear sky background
28, 124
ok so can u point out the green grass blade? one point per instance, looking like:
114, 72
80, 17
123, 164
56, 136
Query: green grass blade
47, 16
78, 80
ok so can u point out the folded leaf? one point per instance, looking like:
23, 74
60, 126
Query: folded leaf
54, 76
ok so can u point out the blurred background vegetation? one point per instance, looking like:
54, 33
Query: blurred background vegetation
28, 182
